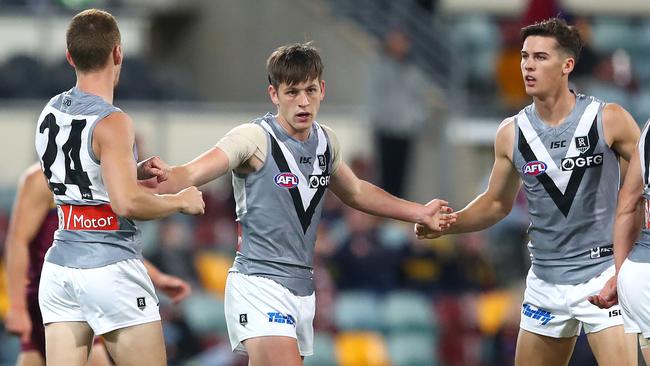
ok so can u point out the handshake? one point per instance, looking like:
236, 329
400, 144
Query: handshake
438, 217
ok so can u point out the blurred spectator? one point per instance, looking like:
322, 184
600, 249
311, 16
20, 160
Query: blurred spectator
175, 254
399, 105
362, 262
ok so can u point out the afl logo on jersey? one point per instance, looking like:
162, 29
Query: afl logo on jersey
286, 180
534, 168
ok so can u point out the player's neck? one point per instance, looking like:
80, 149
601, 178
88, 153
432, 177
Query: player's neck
554, 109
97, 83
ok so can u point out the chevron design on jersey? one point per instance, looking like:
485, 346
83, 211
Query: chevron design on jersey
562, 198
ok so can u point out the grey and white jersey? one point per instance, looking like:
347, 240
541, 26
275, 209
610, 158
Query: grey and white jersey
279, 207
641, 250
64, 145
571, 178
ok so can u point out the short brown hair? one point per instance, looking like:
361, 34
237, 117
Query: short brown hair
293, 64
91, 37
567, 37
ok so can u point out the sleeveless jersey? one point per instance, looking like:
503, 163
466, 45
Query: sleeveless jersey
37, 249
64, 144
279, 207
571, 179
641, 250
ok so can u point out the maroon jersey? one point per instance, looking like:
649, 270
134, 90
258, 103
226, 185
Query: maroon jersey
37, 249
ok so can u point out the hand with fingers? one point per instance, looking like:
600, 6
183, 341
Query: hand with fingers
18, 323
174, 287
193, 201
153, 167
607, 297
440, 218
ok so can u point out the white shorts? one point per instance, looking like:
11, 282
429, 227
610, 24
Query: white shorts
559, 311
634, 297
257, 306
107, 298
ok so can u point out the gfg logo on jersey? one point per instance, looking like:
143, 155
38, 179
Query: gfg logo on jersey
590, 161
319, 180
286, 180
534, 168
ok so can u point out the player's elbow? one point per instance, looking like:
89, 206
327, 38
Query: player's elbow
124, 207
501, 210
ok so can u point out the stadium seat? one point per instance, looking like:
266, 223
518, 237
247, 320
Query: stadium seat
412, 349
213, 271
492, 307
361, 349
204, 314
356, 310
4, 296
324, 351
407, 311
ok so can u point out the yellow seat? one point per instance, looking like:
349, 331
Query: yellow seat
361, 349
492, 310
4, 297
213, 271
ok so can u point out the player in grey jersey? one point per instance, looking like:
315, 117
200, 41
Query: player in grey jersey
282, 164
564, 147
93, 280
632, 248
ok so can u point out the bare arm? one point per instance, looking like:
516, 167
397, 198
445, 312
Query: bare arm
31, 205
113, 140
629, 212
620, 129
629, 220
373, 200
496, 202
242, 149
622, 134
206, 167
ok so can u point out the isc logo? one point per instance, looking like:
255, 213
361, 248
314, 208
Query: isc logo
286, 180
534, 168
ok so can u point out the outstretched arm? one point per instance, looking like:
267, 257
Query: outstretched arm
371, 199
242, 149
496, 202
33, 200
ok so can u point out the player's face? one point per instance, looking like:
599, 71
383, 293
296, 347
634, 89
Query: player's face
298, 105
543, 65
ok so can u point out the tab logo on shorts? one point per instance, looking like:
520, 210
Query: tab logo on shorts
275, 317
319, 180
534, 168
286, 180
141, 303
243, 319
538, 314
99, 217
